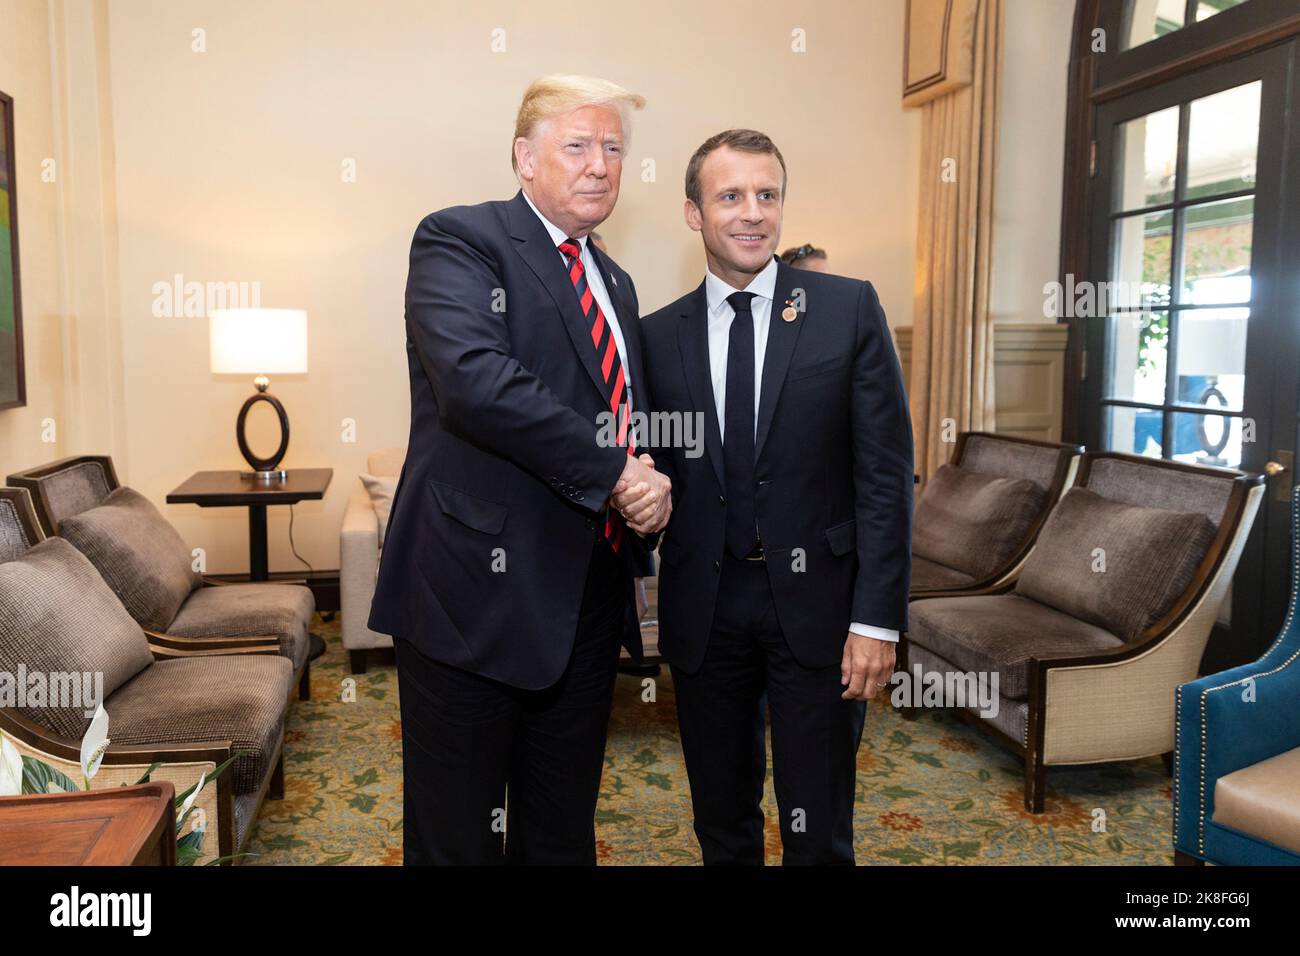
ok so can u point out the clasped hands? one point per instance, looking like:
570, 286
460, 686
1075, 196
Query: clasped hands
643, 496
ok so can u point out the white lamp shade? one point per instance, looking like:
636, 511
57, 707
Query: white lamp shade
257, 341
1212, 342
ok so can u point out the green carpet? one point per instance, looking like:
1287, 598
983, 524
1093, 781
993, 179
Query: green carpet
931, 791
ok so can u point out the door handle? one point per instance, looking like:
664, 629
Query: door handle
1282, 464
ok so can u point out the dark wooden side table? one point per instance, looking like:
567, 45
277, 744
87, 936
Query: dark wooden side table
117, 826
229, 489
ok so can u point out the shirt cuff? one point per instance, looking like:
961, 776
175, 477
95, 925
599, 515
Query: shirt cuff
870, 630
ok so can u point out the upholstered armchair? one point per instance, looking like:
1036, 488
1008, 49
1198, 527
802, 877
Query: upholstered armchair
1110, 613
1237, 753
359, 544
977, 517
186, 710
148, 566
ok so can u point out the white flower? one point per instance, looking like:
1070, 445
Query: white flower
11, 768
94, 744
189, 801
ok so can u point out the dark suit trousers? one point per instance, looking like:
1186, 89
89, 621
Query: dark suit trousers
815, 735
473, 747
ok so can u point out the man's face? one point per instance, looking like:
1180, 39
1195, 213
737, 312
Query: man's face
571, 169
739, 215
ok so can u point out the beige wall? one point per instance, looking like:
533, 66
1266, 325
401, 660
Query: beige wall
225, 166
229, 161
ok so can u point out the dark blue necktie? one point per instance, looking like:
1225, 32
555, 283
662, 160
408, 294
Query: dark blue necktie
738, 437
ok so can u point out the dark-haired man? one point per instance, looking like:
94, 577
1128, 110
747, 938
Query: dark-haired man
785, 565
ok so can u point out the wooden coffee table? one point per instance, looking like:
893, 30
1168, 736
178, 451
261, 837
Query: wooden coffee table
117, 826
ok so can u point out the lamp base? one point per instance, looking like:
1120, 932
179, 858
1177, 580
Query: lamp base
279, 474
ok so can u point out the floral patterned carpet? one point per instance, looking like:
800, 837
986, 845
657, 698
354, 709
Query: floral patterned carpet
931, 791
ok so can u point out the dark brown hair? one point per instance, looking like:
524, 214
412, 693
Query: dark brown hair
744, 140
807, 251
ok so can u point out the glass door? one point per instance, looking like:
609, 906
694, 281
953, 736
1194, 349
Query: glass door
1193, 352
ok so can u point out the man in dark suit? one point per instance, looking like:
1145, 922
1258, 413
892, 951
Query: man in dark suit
505, 575
784, 568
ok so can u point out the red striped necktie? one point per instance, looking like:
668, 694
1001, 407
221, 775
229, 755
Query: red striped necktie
611, 367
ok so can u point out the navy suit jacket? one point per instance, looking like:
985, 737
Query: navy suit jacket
496, 511
833, 466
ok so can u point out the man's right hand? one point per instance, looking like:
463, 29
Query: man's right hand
643, 496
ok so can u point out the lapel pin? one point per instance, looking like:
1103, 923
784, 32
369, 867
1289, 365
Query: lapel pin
789, 314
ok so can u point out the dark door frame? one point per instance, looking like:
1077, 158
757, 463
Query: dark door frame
1097, 79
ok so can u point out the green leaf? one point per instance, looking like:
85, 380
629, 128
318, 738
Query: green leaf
966, 850
904, 854
963, 805
899, 793
369, 776
38, 775
363, 802
144, 777
1116, 844
217, 772
662, 781
929, 760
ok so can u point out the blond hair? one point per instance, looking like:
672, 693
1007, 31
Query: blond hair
558, 94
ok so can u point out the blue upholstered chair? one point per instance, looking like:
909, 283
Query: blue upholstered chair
1237, 753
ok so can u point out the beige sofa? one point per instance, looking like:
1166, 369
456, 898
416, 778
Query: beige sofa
359, 561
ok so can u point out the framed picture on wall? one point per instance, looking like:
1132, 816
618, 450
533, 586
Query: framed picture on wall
13, 392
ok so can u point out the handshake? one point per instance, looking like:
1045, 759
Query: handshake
643, 496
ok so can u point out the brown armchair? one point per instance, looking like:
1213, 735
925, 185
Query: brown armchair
144, 560
187, 710
1110, 613
977, 517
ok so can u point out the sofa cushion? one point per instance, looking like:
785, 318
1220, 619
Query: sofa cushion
1000, 632
381, 489
927, 575
974, 523
237, 698
57, 616
1120, 567
1260, 800
239, 610
138, 553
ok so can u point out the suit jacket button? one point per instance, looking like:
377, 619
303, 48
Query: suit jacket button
580, 496
722, 501
717, 565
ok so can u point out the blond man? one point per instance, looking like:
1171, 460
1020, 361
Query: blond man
506, 575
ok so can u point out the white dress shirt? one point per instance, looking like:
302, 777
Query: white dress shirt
597, 285
763, 286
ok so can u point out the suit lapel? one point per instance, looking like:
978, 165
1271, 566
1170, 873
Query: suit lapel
693, 342
544, 259
781, 338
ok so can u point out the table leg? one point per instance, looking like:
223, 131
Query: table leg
257, 563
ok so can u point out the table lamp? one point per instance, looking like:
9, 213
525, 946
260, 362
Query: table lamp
259, 342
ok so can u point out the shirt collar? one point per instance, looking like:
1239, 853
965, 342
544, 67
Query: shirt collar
557, 234
762, 285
